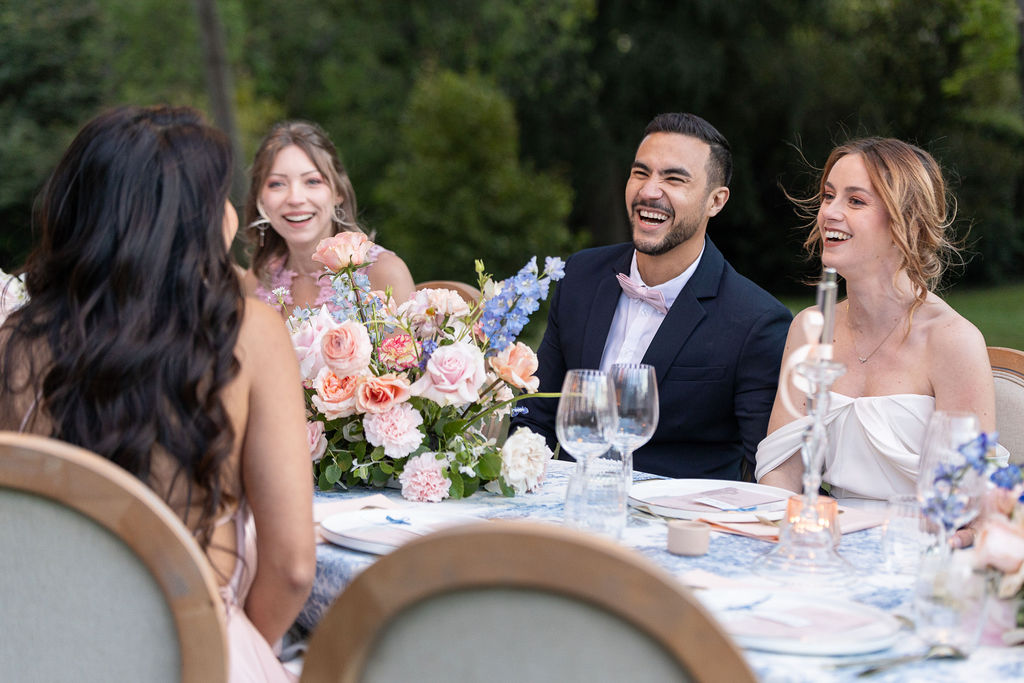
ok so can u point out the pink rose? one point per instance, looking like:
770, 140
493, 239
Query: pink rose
399, 352
347, 348
1000, 544
453, 375
315, 439
342, 250
397, 430
423, 479
306, 340
335, 396
379, 394
516, 365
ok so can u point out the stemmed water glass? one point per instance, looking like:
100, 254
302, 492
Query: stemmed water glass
951, 481
636, 402
585, 417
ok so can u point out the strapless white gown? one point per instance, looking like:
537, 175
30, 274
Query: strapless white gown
874, 445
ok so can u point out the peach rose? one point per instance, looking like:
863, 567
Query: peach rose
1000, 544
516, 365
335, 396
347, 348
379, 394
453, 375
342, 250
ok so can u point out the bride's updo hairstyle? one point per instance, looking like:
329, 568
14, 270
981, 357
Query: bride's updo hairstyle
312, 140
910, 185
128, 337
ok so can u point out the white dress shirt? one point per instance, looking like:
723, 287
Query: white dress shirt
636, 322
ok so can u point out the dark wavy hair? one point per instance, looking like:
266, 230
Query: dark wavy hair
314, 141
719, 166
135, 308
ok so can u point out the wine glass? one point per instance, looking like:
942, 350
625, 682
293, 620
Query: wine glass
585, 416
636, 402
951, 481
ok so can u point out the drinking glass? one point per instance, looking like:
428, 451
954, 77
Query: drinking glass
636, 403
585, 417
951, 481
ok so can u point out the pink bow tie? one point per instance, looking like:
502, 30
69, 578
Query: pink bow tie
641, 292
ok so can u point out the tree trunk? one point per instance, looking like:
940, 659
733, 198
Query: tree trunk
219, 87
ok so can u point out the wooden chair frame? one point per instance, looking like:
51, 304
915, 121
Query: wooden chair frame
531, 555
1008, 365
118, 501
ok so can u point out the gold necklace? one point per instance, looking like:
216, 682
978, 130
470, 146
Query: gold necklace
853, 338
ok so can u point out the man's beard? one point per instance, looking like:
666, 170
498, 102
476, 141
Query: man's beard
681, 231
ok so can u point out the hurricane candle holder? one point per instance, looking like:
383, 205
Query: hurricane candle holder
806, 550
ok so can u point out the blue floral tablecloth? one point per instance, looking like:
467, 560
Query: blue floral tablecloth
730, 556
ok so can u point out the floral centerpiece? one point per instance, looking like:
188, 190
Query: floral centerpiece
405, 392
1000, 545
12, 294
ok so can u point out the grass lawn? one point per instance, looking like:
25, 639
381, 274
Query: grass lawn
997, 311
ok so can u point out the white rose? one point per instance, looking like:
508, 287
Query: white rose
524, 460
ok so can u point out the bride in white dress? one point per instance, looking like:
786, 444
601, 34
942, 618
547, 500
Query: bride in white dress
880, 220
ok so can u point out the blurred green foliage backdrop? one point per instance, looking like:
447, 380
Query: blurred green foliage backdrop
500, 129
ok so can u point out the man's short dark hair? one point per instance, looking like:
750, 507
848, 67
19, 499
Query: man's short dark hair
720, 160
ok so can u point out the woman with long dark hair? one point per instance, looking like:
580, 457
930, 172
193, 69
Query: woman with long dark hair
137, 343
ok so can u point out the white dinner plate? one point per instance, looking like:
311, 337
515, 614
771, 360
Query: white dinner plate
795, 623
379, 531
647, 493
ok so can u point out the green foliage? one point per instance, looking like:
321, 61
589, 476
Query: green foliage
457, 192
49, 84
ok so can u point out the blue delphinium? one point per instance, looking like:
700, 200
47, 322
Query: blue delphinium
1007, 477
976, 449
506, 313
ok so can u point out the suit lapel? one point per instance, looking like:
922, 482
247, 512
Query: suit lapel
687, 311
602, 310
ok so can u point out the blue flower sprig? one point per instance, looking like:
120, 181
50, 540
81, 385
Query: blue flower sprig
947, 502
507, 312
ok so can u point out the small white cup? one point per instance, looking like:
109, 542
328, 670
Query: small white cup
688, 538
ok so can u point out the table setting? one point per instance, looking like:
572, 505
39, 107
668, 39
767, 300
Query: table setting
809, 588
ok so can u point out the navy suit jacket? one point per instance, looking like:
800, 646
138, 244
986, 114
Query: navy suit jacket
716, 355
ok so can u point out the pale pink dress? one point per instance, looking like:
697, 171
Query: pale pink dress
251, 658
283, 277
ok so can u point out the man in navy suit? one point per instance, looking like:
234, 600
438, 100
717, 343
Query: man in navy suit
714, 337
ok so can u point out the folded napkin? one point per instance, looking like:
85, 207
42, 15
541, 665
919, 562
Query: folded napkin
850, 520
323, 510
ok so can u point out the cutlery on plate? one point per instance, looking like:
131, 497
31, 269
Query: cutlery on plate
875, 666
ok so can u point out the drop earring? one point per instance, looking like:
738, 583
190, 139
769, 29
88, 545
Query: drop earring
339, 216
261, 223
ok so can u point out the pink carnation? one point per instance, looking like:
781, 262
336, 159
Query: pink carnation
423, 479
315, 439
453, 375
341, 250
397, 430
399, 352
